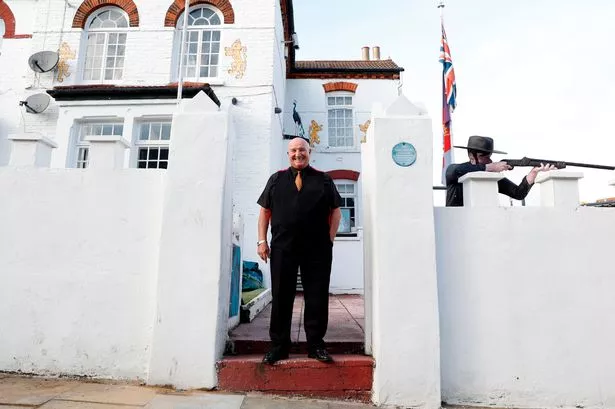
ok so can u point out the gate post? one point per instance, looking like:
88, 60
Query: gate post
400, 257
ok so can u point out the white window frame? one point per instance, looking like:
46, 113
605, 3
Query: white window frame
81, 148
350, 127
106, 31
199, 32
345, 195
151, 143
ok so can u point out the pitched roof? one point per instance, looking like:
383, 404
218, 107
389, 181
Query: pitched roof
351, 65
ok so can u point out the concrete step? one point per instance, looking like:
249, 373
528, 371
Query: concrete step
255, 347
348, 377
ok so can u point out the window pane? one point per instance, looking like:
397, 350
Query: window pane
348, 100
155, 132
213, 71
215, 35
153, 153
331, 100
142, 154
164, 154
166, 132
107, 130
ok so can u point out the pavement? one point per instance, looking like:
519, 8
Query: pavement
346, 321
19, 392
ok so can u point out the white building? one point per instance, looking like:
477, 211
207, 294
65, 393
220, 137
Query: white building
117, 80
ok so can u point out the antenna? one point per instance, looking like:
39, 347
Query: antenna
43, 61
35, 104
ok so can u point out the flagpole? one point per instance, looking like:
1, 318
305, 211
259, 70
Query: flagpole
180, 80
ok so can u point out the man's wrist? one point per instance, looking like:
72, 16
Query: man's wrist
258, 243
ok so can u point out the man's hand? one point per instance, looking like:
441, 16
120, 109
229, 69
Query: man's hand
263, 251
497, 167
531, 177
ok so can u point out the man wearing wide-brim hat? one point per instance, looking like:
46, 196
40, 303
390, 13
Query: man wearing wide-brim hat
480, 149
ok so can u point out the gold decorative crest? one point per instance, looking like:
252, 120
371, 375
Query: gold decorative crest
238, 53
315, 127
363, 128
66, 54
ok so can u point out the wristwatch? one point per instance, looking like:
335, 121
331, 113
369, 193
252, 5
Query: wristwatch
258, 243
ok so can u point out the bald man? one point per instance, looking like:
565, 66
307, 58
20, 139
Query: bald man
302, 205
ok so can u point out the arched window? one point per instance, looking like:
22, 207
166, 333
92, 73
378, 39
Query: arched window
202, 45
106, 31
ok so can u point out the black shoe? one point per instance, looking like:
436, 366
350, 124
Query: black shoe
274, 356
321, 354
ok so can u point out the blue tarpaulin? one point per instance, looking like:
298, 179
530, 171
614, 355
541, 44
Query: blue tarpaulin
252, 278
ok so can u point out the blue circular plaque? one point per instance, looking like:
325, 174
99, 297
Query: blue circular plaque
404, 154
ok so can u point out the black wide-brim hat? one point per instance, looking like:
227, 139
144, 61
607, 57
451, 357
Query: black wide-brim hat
481, 144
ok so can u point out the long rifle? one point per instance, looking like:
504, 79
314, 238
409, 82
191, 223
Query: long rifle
525, 161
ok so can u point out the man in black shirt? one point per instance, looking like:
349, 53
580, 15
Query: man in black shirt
302, 205
480, 149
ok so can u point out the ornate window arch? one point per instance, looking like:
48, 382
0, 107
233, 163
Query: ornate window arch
6, 15
90, 6
201, 57
177, 8
105, 44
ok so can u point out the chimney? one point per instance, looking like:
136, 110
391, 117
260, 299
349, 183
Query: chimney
376, 52
365, 53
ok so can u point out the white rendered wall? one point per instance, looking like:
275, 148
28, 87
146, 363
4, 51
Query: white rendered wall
526, 306
195, 250
14, 53
78, 261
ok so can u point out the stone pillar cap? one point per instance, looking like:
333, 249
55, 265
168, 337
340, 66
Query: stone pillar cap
488, 176
34, 137
558, 175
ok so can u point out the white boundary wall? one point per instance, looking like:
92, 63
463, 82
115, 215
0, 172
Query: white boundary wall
119, 273
526, 300
78, 266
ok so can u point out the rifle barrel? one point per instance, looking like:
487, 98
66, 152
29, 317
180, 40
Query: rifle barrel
576, 164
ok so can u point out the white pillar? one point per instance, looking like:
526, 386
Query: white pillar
106, 152
559, 188
31, 149
195, 249
399, 242
480, 189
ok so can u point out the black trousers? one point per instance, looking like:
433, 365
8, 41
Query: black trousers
315, 267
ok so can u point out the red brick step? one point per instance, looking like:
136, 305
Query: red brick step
348, 377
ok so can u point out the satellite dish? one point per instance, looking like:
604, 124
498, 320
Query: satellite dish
35, 104
44, 61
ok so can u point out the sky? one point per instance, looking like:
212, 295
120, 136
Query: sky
536, 75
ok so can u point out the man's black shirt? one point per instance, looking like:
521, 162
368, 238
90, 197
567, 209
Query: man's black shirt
300, 219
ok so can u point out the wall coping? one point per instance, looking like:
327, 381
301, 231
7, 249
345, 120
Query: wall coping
558, 175
33, 137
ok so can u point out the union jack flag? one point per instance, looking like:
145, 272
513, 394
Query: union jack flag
449, 102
